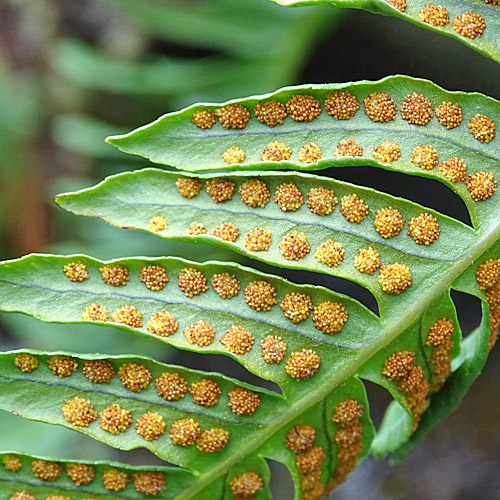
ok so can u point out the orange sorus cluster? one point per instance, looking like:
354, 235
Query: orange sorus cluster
259, 295
147, 482
439, 338
80, 412
246, 485
469, 24
341, 104
309, 458
488, 277
416, 109
401, 368
348, 437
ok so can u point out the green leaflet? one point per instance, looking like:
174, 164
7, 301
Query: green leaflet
130, 200
41, 395
487, 43
174, 140
23, 479
42, 290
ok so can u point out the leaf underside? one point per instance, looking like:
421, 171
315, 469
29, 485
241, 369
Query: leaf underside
355, 344
486, 42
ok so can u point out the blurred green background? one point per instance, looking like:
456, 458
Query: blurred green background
73, 72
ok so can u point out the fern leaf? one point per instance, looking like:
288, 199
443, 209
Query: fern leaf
476, 24
49, 477
317, 345
383, 122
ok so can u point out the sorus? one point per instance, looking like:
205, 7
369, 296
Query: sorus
380, 107
243, 401
394, 278
300, 438
196, 228
205, 393
116, 275
154, 277
348, 148
134, 377
271, 112
449, 115
303, 364
162, 323
46, 470
95, 312
220, 189
99, 371
115, 480
255, 193
149, 482
258, 240
425, 156
296, 306
79, 412
192, 282
203, 118
321, 201
12, 463
330, 317
188, 187
276, 151
227, 231
367, 261
435, 15
226, 285
246, 484
151, 426
417, 109
481, 185
310, 153
233, 116
353, 208
303, 107
115, 419
341, 104
330, 252
234, 154
469, 24
80, 473
310, 459
171, 386
288, 197
388, 222
127, 315
26, 362
157, 223
482, 128
454, 169
76, 271
294, 246
424, 229
212, 440
273, 349
386, 152
260, 295
200, 333
237, 340
185, 432
62, 366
